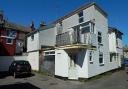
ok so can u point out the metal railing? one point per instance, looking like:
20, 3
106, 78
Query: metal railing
72, 37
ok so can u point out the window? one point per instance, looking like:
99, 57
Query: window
80, 14
9, 41
101, 62
32, 37
11, 33
85, 29
81, 18
90, 57
111, 57
99, 37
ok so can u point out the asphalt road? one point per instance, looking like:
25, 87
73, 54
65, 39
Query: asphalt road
117, 80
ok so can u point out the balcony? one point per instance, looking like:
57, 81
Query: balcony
76, 39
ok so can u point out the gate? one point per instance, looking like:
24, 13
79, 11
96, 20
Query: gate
47, 62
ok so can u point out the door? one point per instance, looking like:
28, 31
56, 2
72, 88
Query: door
73, 73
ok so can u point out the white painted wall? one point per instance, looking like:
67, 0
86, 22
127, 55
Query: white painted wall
33, 58
47, 37
82, 66
112, 42
5, 61
61, 63
33, 44
74, 19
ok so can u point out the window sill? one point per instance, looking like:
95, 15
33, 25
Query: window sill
9, 43
101, 65
91, 62
100, 44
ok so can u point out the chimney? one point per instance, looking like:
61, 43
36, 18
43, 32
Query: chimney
32, 26
42, 24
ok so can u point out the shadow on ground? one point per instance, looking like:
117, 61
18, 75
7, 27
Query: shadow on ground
19, 86
25, 76
6, 74
3, 75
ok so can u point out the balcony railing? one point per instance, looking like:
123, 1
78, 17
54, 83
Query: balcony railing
73, 37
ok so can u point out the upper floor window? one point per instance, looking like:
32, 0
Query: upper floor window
80, 14
9, 41
81, 18
10, 33
85, 30
99, 37
32, 37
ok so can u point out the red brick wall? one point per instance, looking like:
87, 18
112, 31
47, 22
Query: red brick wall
7, 49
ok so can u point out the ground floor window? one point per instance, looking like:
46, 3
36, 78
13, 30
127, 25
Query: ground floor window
111, 57
90, 57
101, 61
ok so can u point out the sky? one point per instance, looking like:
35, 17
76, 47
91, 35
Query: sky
25, 11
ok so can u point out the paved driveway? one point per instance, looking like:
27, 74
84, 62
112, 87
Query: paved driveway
118, 80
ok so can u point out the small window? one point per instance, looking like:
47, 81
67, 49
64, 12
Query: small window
32, 37
90, 57
9, 41
99, 37
85, 29
111, 57
80, 14
81, 18
101, 62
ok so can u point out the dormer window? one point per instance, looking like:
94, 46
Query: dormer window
81, 18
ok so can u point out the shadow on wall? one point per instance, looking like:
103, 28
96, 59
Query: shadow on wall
77, 57
19, 86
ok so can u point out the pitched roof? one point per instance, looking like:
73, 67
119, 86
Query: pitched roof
17, 27
41, 29
113, 29
14, 26
80, 9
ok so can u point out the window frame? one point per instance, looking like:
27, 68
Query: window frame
81, 17
99, 36
32, 37
90, 57
9, 42
101, 56
111, 57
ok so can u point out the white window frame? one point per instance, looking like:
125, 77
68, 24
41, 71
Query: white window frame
32, 37
7, 41
90, 57
81, 17
100, 37
101, 64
